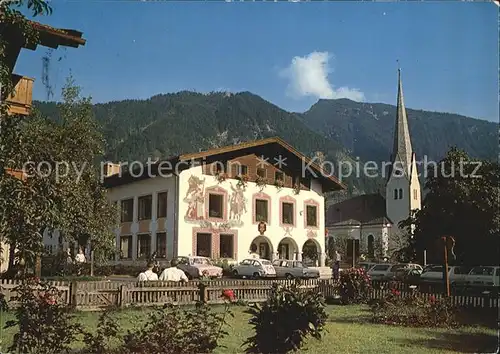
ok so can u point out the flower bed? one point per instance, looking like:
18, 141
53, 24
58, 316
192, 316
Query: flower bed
414, 310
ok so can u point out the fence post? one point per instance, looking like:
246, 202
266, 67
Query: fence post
122, 300
203, 292
73, 288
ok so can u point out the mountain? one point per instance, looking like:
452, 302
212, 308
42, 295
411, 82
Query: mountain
171, 124
366, 130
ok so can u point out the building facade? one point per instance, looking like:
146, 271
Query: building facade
369, 224
258, 197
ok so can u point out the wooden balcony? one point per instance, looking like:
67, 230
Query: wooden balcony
21, 100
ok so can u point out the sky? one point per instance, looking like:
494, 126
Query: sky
291, 54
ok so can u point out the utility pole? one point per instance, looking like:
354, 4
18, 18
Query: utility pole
447, 240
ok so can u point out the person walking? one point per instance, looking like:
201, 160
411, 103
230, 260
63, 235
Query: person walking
173, 273
148, 275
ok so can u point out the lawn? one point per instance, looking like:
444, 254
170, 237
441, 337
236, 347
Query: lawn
348, 332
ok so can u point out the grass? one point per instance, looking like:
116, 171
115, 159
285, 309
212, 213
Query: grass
348, 332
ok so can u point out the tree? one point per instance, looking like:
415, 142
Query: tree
62, 188
462, 202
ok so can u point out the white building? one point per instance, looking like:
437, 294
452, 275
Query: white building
223, 203
372, 220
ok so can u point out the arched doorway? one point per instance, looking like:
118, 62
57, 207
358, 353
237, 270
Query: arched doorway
262, 246
288, 249
311, 252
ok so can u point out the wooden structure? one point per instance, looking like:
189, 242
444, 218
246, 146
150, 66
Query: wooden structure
99, 295
20, 100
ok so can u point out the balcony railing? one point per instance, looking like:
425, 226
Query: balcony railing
20, 101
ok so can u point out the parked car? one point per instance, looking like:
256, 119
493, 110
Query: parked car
254, 268
196, 267
456, 274
487, 277
400, 271
293, 269
367, 265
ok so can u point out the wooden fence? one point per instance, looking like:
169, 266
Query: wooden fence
98, 295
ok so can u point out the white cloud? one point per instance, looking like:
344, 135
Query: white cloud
308, 76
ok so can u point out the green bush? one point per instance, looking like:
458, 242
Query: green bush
45, 324
414, 310
285, 320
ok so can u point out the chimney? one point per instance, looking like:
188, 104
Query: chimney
111, 169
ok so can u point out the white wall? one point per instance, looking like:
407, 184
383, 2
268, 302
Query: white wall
151, 186
246, 229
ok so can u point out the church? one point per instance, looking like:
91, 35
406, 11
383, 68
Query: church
368, 224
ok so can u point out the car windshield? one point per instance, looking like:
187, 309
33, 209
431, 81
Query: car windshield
381, 267
482, 271
299, 265
433, 269
202, 261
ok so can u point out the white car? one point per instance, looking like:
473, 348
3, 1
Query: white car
254, 268
385, 271
484, 276
456, 274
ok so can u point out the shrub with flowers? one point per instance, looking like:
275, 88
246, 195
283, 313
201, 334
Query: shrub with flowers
285, 320
45, 323
354, 286
279, 184
414, 310
261, 182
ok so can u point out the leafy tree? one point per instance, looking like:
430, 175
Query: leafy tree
62, 189
462, 202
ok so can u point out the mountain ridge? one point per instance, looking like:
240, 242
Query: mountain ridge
171, 124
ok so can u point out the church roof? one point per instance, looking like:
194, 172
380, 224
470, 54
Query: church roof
366, 209
402, 150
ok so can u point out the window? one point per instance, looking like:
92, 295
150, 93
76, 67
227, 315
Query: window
287, 213
161, 245
226, 246
143, 246
145, 205
127, 210
220, 167
400, 193
261, 210
215, 206
261, 172
161, 211
311, 215
242, 170
204, 245
415, 194
395, 194
279, 176
126, 247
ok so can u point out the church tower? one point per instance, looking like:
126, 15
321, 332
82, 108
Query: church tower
402, 192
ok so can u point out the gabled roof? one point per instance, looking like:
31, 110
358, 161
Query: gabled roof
331, 182
367, 209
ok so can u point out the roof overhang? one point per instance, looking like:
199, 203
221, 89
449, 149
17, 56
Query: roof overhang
328, 181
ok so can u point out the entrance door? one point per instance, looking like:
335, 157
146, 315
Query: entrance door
284, 251
264, 251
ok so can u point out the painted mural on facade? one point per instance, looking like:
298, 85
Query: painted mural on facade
195, 198
237, 203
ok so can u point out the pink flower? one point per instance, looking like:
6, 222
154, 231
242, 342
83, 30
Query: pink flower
432, 299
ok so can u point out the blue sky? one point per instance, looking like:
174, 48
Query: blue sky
289, 53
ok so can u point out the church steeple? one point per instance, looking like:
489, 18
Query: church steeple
402, 149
